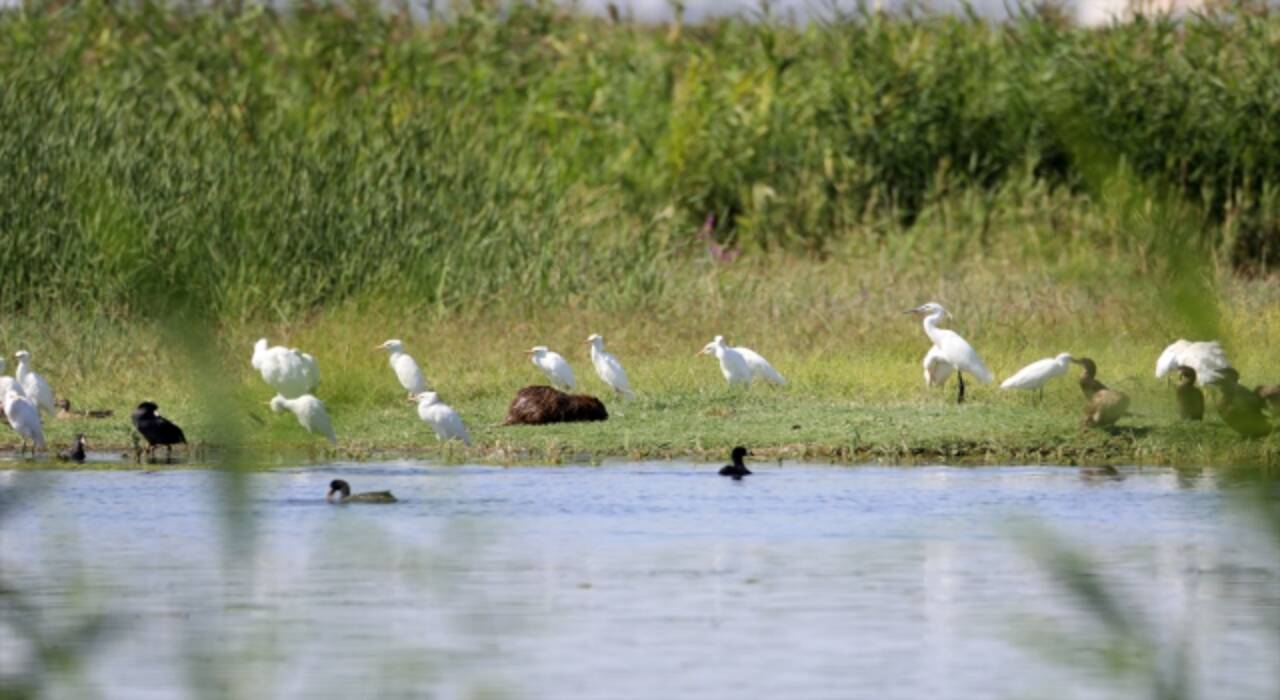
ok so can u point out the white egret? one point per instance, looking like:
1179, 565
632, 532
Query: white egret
936, 370
289, 371
34, 387
554, 366
1206, 357
732, 365
608, 368
24, 418
405, 367
7, 383
1035, 375
760, 367
442, 418
951, 348
310, 414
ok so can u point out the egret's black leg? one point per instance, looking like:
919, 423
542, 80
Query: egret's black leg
960, 379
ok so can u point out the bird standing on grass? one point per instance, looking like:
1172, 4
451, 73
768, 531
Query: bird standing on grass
1270, 395
1205, 357
405, 367
310, 413
608, 368
24, 418
1239, 408
1103, 406
157, 429
340, 492
552, 364
1190, 398
738, 469
441, 417
950, 349
1034, 376
732, 365
289, 371
34, 385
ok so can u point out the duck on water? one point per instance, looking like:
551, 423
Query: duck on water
340, 492
738, 469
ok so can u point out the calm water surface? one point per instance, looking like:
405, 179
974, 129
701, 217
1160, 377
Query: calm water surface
633, 581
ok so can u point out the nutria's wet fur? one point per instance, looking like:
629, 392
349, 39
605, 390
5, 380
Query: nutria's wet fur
536, 405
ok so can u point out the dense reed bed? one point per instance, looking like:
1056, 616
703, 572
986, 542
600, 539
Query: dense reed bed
258, 162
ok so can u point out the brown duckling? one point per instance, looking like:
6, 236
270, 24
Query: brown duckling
1190, 397
1270, 394
1104, 406
342, 490
1239, 408
74, 453
738, 469
65, 412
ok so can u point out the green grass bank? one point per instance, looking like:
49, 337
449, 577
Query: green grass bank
176, 182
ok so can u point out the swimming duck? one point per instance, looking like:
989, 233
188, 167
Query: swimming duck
344, 495
75, 453
157, 429
1104, 406
738, 469
1190, 397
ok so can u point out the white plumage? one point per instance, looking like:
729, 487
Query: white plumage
760, 367
7, 383
554, 366
310, 413
1037, 374
1205, 357
24, 418
608, 368
936, 369
289, 371
34, 387
733, 365
950, 348
405, 367
442, 418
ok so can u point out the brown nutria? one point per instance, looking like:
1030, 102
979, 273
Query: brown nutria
536, 405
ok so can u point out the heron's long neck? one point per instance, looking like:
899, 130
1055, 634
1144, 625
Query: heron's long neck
931, 325
22, 370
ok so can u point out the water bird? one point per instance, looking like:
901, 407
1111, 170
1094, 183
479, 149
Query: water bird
1270, 395
24, 418
76, 452
289, 371
553, 364
608, 368
1190, 398
538, 405
340, 492
310, 413
156, 429
936, 369
741, 365
1104, 471
1239, 408
65, 412
738, 469
950, 349
33, 385
7, 383
405, 367
1103, 406
1205, 357
441, 417
1034, 376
